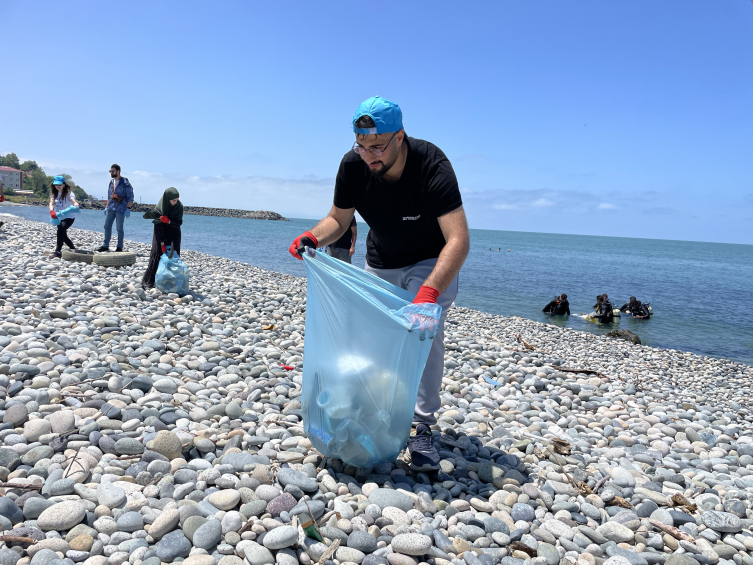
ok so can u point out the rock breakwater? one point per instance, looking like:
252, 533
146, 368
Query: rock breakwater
191, 210
146, 428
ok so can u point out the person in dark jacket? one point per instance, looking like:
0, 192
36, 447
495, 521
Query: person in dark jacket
558, 307
167, 217
636, 308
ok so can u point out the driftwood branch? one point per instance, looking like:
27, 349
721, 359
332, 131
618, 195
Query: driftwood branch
329, 552
525, 343
16, 485
674, 532
17, 539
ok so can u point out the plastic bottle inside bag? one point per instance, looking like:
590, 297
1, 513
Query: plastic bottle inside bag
352, 444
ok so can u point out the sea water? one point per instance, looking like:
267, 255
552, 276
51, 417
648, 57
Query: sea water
700, 292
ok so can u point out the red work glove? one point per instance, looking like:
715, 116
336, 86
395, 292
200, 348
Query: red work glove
164, 248
426, 295
53, 214
2, 198
306, 239
116, 198
164, 219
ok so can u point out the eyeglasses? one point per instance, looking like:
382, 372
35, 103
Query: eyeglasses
375, 151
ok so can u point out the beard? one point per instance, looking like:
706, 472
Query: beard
385, 168
113, 175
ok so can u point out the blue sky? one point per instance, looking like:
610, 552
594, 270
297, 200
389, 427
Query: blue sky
605, 118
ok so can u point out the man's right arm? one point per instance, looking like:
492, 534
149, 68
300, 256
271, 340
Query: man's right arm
327, 231
332, 228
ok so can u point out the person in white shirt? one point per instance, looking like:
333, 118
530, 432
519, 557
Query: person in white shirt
61, 197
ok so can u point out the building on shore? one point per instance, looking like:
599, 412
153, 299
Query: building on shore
12, 178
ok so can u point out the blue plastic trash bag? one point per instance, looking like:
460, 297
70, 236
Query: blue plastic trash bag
365, 352
63, 214
172, 274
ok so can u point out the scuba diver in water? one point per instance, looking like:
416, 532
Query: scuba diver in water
636, 308
558, 307
604, 310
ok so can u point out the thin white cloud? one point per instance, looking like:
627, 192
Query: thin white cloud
505, 206
542, 203
607, 206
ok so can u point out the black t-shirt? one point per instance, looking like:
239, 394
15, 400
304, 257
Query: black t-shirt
402, 216
347, 238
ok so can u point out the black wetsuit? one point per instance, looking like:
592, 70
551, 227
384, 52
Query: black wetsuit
557, 308
637, 309
604, 314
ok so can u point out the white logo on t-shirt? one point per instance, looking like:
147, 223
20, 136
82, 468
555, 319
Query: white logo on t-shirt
411, 217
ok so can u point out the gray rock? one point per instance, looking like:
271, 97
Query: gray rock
33, 507
663, 516
130, 522
548, 552
616, 532
522, 512
16, 415
258, 554
173, 545
110, 495
129, 446
722, 521
385, 498
8, 556
191, 524
681, 559
10, 510
208, 534
62, 487
284, 536
349, 555
362, 541
411, 544
61, 516
289, 476
43, 557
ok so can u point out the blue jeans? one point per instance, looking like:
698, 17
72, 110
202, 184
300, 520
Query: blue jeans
111, 216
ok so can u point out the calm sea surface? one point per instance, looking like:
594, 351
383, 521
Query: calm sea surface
700, 292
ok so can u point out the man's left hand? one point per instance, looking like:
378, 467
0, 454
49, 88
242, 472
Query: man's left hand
351, 251
426, 295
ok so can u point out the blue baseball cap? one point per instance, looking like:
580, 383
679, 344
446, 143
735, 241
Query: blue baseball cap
59, 179
387, 116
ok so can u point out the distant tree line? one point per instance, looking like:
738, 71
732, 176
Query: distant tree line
38, 181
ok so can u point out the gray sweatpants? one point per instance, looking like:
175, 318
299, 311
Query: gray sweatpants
411, 278
338, 253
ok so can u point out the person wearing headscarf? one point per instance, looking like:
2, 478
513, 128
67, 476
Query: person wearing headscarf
167, 217
61, 197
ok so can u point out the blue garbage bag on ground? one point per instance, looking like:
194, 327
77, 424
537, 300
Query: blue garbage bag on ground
172, 274
365, 351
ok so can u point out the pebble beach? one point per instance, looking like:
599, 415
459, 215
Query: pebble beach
146, 428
